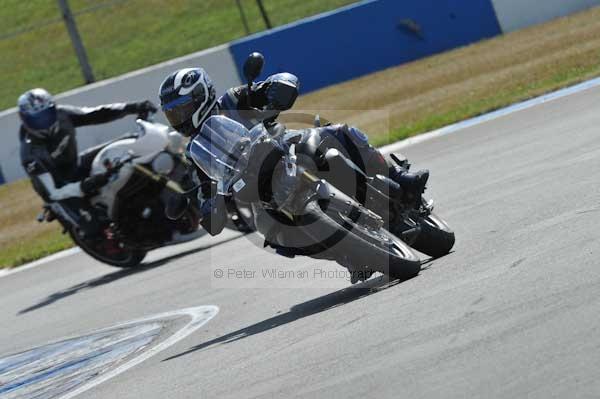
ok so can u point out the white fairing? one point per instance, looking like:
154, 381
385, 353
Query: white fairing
153, 139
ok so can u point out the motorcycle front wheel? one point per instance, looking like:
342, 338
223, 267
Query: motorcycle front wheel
363, 247
108, 252
436, 239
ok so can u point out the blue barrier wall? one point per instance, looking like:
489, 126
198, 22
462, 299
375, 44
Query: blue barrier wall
367, 37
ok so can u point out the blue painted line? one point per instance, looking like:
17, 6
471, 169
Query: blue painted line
67, 368
62, 362
73, 364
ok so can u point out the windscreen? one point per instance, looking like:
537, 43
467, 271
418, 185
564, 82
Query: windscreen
219, 149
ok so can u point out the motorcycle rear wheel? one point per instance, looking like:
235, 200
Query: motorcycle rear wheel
125, 258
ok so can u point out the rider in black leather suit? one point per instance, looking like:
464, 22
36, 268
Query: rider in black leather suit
49, 146
188, 98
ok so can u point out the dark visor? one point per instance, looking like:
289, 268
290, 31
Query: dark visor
180, 110
41, 121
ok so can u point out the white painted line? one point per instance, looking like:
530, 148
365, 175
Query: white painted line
400, 145
199, 316
492, 115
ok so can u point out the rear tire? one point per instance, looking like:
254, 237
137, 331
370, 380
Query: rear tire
363, 247
126, 258
436, 239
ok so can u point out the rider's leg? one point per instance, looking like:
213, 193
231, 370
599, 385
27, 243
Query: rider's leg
372, 162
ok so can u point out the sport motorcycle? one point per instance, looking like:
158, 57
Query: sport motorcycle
126, 217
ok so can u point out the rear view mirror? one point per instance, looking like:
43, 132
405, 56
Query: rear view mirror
253, 66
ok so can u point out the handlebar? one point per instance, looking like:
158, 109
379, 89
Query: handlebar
111, 169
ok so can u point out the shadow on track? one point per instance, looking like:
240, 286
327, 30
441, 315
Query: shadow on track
114, 276
296, 312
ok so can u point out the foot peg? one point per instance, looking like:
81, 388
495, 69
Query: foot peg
46, 215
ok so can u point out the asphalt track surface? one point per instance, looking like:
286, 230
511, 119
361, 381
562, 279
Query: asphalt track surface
512, 312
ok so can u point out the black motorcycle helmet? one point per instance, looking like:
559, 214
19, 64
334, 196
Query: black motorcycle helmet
187, 98
37, 111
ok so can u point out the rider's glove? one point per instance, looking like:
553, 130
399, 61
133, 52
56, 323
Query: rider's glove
90, 185
281, 91
141, 107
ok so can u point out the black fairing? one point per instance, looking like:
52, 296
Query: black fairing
215, 219
341, 170
258, 174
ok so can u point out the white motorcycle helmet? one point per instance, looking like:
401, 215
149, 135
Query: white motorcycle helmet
37, 111
187, 98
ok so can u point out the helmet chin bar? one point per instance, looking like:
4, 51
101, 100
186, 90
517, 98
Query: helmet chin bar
186, 128
195, 117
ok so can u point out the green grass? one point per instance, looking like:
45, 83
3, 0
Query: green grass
122, 35
494, 101
22, 238
33, 248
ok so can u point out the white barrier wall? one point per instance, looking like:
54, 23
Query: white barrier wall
137, 85
517, 14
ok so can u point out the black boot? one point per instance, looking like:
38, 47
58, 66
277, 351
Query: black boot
413, 184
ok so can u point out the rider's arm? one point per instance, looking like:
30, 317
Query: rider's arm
82, 116
275, 94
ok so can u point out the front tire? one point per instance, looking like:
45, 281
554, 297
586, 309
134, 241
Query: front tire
436, 239
362, 248
114, 256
